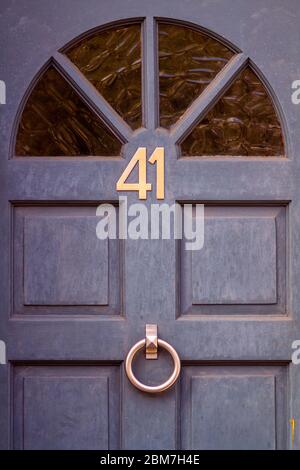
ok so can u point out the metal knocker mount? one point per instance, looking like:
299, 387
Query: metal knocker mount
152, 342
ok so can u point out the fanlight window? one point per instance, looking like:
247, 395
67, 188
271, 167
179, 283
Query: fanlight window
111, 61
243, 122
188, 62
56, 121
59, 120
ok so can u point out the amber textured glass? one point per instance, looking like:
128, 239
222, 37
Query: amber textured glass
242, 123
56, 122
188, 62
111, 61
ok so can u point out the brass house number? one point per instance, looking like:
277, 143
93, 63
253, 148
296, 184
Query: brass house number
140, 159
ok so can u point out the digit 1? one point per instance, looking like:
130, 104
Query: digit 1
158, 157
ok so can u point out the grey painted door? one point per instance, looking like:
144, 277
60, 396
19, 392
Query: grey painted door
72, 305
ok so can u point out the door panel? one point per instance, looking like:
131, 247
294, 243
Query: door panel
60, 267
73, 305
240, 406
241, 268
66, 407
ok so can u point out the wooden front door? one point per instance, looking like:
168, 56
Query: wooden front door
88, 83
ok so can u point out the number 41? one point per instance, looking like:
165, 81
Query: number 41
140, 159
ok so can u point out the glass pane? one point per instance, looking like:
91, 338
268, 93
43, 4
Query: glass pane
56, 122
111, 61
188, 62
243, 122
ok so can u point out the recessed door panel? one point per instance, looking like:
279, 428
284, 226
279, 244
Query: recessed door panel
241, 268
66, 407
61, 266
234, 407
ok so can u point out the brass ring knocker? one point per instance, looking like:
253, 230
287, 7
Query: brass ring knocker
150, 345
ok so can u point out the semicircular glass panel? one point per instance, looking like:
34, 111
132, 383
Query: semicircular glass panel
188, 61
111, 61
243, 122
56, 122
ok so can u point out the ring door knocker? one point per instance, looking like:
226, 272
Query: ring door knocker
151, 342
